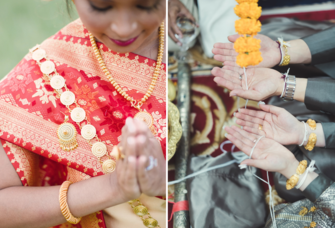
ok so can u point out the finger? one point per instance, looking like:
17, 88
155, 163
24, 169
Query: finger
227, 74
227, 84
172, 36
233, 38
230, 63
228, 46
253, 130
221, 58
247, 94
253, 113
130, 176
236, 69
142, 173
246, 123
250, 138
237, 141
184, 11
248, 118
271, 109
225, 52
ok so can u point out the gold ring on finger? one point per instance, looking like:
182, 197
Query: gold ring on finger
240, 77
260, 127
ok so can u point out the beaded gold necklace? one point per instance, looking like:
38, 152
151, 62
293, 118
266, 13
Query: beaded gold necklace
143, 115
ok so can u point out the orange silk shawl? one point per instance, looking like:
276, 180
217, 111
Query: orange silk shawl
30, 111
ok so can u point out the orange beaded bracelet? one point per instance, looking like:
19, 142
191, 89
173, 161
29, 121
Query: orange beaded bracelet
63, 204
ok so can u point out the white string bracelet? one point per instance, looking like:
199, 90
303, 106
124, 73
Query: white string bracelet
281, 43
310, 169
305, 134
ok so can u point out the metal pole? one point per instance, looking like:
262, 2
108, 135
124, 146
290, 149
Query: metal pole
181, 218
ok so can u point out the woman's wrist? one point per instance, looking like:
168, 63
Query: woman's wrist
280, 86
291, 167
299, 52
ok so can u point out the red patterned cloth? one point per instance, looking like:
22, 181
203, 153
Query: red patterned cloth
30, 111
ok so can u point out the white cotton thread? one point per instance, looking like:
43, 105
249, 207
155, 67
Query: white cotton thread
305, 134
282, 42
285, 80
310, 169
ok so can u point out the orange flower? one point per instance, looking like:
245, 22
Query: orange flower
249, 59
241, 1
247, 26
248, 10
247, 44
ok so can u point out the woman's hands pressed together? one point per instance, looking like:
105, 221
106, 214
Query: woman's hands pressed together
277, 124
138, 145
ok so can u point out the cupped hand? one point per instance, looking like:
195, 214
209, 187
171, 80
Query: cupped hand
268, 155
177, 9
277, 124
225, 53
262, 82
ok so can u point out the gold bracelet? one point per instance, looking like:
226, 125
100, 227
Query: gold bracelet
293, 181
142, 211
287, 58
312, 124
63, 204
311, 142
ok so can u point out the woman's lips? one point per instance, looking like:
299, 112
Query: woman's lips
124, 43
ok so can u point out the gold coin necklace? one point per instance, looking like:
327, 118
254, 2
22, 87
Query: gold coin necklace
67, 132
142, 115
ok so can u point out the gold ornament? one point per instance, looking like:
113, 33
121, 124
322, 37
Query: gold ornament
140, 210
99, 149
150, 222
108, 166
88, 132
312, 124
67, 136
293, 180
311, 142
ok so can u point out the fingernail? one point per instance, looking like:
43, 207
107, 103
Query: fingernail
234, 113
232, 94
261, 102
238, 109
131, 140
225, 135
242, 127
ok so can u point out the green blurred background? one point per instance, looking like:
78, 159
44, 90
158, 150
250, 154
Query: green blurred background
25, 23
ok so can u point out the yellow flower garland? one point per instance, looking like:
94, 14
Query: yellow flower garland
248, 26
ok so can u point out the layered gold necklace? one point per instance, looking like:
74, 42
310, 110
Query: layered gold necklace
144, 116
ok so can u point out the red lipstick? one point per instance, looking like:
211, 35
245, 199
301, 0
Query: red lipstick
124, 43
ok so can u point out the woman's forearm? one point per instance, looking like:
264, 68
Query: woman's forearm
39, 206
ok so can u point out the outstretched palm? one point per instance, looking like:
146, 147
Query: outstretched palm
262, 82
268, 154
277, 124
224, 52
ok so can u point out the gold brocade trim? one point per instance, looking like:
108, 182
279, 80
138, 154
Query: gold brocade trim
126, 72
41, 133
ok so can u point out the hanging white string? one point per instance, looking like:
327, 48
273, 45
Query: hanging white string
238, 158
271, 204
305, 134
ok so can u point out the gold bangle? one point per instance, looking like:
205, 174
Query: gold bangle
63, 204
311, 142
312, 124
287, 58
293, 181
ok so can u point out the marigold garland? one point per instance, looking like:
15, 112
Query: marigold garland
248, 26
248, 10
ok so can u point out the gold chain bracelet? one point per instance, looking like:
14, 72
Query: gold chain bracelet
142, 211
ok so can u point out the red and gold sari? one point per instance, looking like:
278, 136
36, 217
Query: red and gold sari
30, 111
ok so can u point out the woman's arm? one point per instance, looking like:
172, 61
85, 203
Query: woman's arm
39, 206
